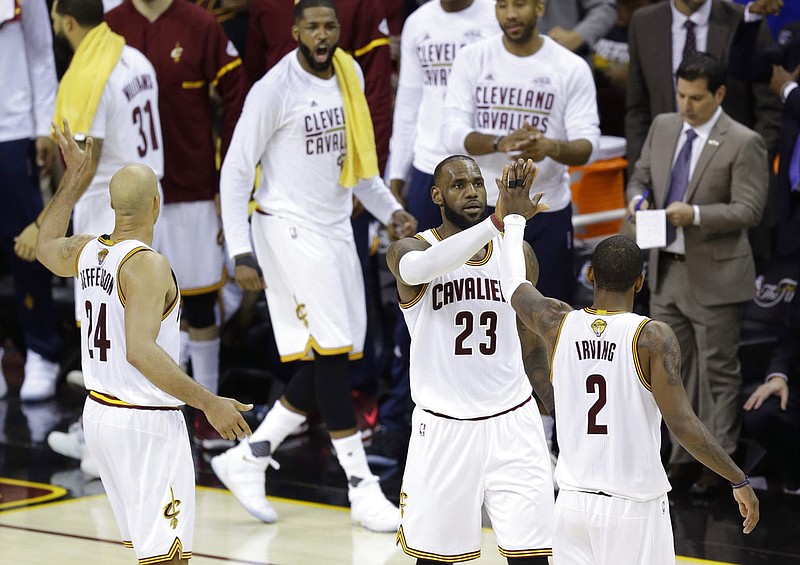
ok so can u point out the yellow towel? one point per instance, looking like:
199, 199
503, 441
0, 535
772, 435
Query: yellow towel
82, 85
361, 161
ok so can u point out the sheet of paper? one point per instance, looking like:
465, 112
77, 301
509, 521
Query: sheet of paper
651, 228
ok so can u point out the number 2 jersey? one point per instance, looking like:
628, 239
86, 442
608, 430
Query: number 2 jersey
466, 357
101, 303
609, 426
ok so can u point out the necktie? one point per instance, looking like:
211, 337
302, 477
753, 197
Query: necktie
690, 46
794, 167
679, 179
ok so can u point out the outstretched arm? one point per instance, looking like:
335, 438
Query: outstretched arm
53, 250
660, 358
146, 280
534, 348
414, 265
541, 314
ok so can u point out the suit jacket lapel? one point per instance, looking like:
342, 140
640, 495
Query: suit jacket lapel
715, 139
660, 34
719, 32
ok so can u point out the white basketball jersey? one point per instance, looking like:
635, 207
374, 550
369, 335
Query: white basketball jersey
466, 358
101, 304
127, 120
609, 426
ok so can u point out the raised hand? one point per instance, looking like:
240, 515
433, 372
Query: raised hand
515, 190
77, 160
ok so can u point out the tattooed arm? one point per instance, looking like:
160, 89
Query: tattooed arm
534, 348
53, 250
660, 357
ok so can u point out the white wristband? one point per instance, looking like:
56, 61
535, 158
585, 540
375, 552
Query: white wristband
512, 264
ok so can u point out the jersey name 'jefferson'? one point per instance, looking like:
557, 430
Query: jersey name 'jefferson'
96, 276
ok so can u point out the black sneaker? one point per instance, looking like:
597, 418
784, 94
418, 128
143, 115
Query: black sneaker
389, 447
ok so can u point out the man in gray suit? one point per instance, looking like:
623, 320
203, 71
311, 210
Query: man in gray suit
657, 37
710, 175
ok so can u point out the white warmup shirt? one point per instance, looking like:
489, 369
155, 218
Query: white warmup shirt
610, 435
127, 120
466, 357
293, 124
492, 91
431, 38
28, 70
101, 303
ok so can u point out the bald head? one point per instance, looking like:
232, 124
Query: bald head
133, 190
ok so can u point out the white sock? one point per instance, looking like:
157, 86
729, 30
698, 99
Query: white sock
205, 363
549, 423
352, 458
278, 423
183, 355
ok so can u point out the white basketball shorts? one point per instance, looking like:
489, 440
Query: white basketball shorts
193, 245
315, 289
456, 466
145, 463
593, 529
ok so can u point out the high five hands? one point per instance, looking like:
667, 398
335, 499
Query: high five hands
515, 191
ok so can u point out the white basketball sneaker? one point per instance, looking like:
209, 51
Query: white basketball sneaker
40, 378
69, 444
243, 475
370, 509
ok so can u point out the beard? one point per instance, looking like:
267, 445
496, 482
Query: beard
62, 48
309, 57
461, 220
527, 33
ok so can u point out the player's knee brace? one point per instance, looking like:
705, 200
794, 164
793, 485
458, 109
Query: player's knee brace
198, 310
333, 391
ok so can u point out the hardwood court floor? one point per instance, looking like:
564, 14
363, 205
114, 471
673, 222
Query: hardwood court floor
71, 523
307, 533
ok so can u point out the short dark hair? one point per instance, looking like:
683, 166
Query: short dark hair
88, 13
303, 5
440, 167
617, 262
703, 65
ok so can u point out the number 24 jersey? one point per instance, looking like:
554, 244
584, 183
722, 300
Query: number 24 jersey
101, 303
609, 426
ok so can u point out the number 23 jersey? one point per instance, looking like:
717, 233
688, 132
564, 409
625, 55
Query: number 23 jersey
466, 358
101, 303
609, 426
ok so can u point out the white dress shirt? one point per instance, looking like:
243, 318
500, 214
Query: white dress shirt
703, 132
700, 19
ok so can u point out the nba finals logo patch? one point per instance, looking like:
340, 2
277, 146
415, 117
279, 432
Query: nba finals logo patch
101, 256
171, 510
598, 327
176, 53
